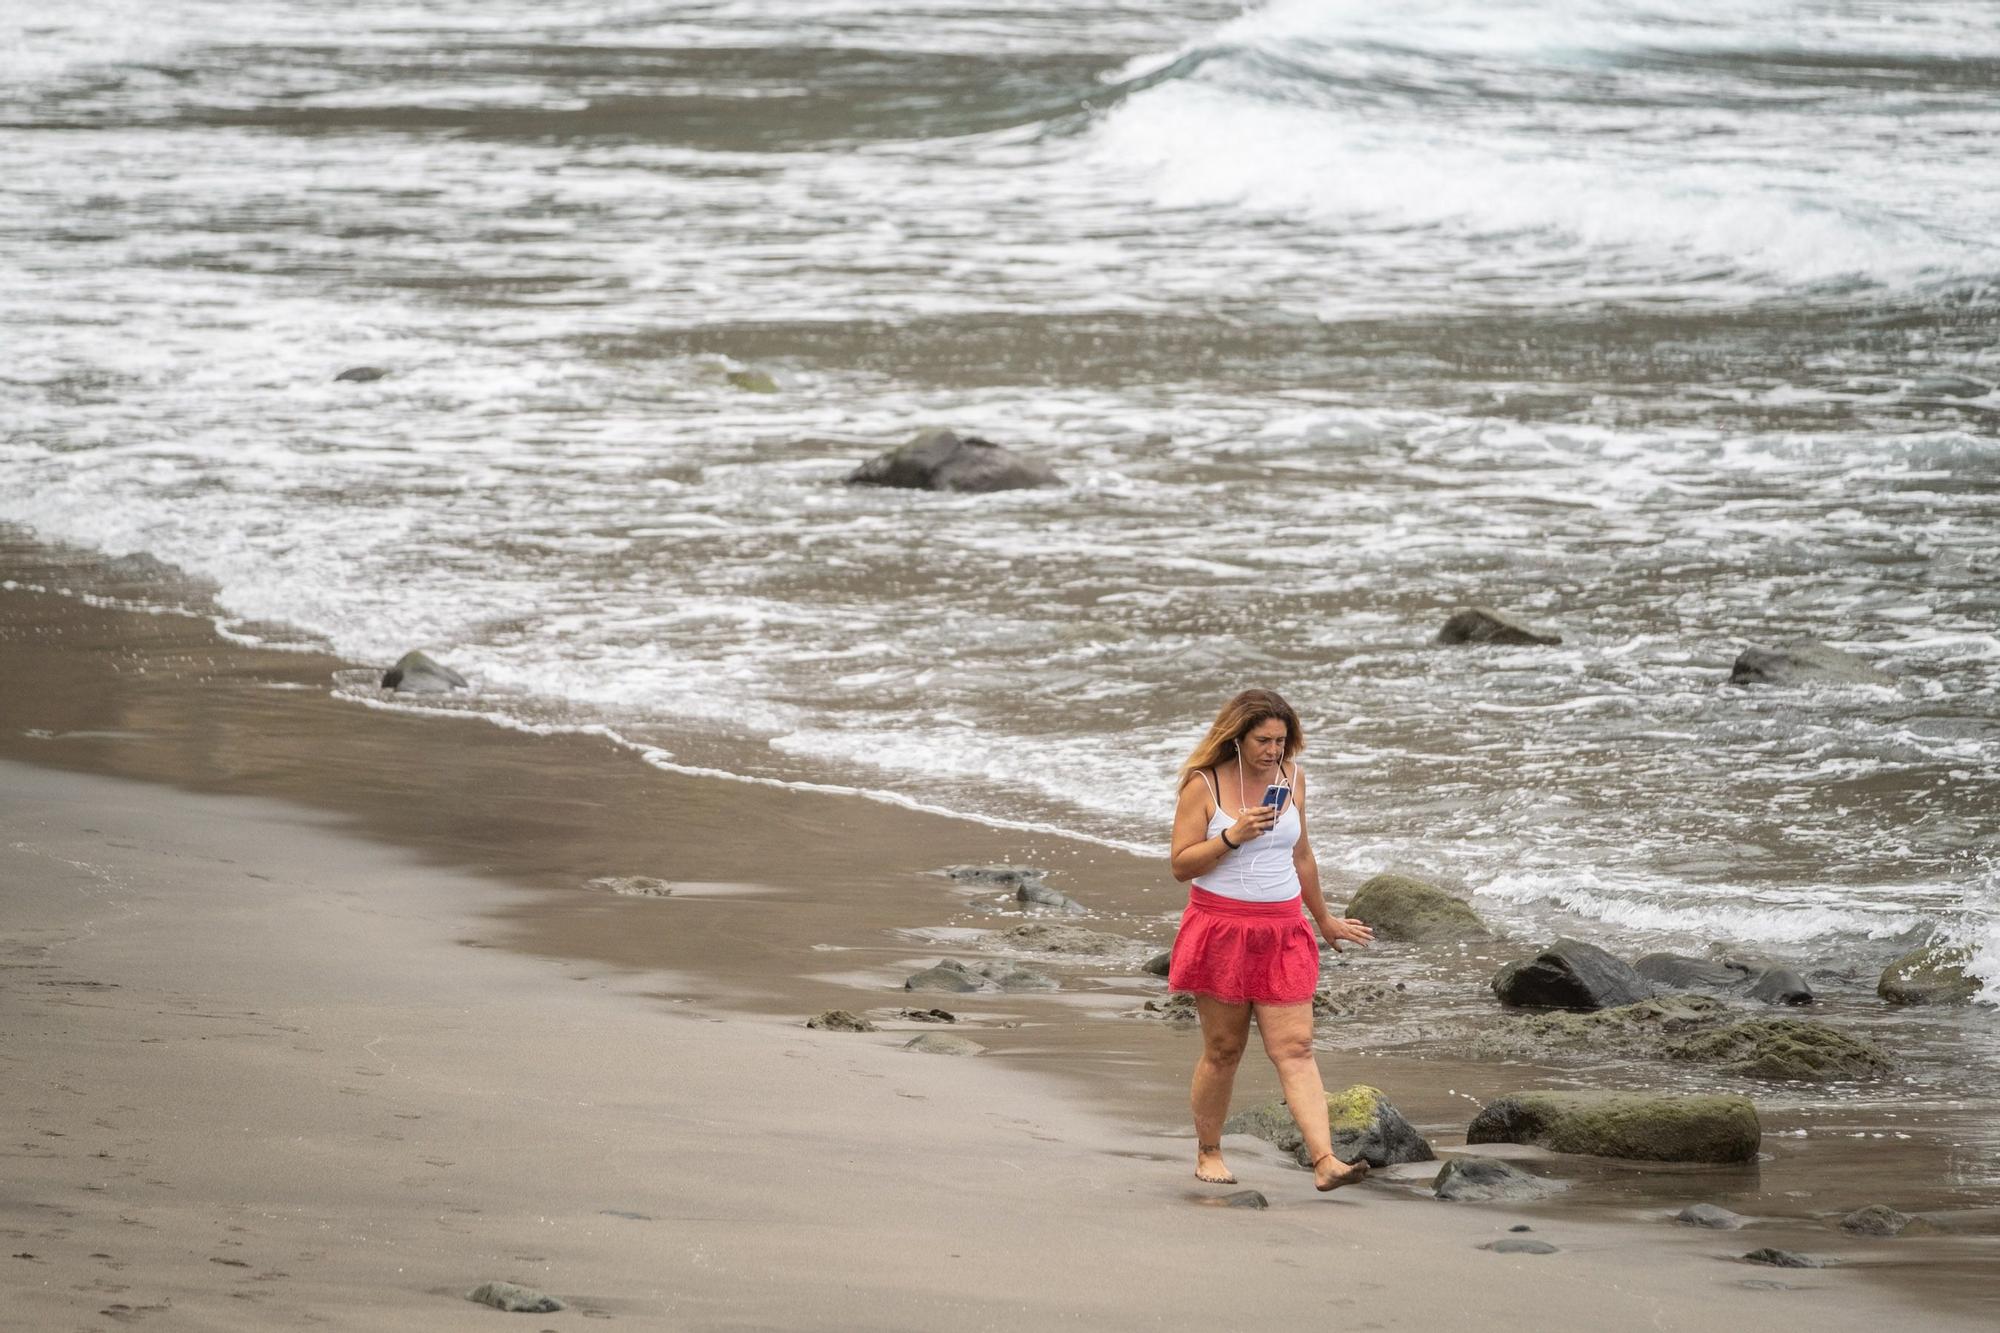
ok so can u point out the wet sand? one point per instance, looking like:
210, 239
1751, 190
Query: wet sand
314, 1017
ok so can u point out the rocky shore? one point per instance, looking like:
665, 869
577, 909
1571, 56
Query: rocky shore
1736, 1103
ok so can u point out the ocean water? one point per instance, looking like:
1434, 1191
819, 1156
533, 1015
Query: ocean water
1672, 325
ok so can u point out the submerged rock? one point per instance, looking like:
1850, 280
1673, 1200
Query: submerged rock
943, 1043
360, 374
1949, 386
1776, 1258
1342, 1001
1783, 1048
926, 1015
1482, 624
1518, 1245
1803, 661
1759, 978
997, 876
950, 976
418, 673
938, 460
1692, 1027
752, 381
1641, 1126
1477, 1179
1047, 937
1875, 1220
1930, 975
1365, 1124
1041, 895
513, 1298
1158, 965
634, 886
1408, 910
1709, 1216
840, 1020
1240, 1199
1570, 974
1177, 1009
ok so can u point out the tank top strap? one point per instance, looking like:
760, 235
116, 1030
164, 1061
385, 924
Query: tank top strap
1209, 783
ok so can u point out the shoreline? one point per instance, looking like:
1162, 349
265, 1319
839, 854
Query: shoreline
837, 881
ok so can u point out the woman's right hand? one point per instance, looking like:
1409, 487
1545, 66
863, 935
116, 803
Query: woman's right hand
1253, 823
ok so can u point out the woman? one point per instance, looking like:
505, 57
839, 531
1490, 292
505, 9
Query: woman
1244, 947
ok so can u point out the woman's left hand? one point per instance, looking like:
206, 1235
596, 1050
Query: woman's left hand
1338, 928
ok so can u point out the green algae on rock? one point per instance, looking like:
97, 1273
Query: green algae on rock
1783, 1048
1406, 910
1365, 1124
1639, 1126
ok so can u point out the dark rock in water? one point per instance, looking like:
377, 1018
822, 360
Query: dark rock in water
1158, 965
943, 1043
1783, 1048
1482, 624
1520, 1226
752, 381
417, 673
1570, 974
1875, 1220
1783, 1259
361, 374
1047, 937
1518, 1245
950, 975
1470, 1179
1408, 910
1709, 1216
840, 1020
1803, 661
926, 1015
1365, 1124
938, 460
1930, 975
1763, 979
1638, 1126
513, 1298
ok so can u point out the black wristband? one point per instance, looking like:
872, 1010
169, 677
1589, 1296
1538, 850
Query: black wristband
1232, 846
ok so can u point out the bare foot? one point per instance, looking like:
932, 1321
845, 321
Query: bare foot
1209, 1168
1330, 1173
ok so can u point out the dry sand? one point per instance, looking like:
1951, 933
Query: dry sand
261, 1072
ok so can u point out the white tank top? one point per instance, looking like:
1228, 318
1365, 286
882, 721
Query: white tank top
1261, 870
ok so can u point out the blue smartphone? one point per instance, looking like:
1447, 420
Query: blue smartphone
1276, 795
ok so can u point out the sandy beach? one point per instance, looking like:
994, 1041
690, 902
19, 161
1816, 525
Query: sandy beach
312, 1020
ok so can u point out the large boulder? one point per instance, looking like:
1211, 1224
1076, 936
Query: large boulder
1409, 910
938, 460
419, 673
1783, 1048
1761, 979
1930, 975
1570, 974
1469, 1179
1365, 1125
1482, 624
1802, 662
1639, 1126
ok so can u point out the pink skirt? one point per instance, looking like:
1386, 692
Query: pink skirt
1242, 952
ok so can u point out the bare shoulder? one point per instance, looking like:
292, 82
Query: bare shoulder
1194, 793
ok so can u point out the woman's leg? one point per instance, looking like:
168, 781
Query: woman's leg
1225, 1029
1287, 1030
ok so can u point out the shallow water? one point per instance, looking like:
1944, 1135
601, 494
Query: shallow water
1667, 325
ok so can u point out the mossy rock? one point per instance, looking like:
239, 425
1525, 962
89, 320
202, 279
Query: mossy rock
1365, 1124
1929, 975
1636, 1126
752, 381
1640, 1029
1783, 1048
1410, 911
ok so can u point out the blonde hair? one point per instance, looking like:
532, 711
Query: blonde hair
1249, 709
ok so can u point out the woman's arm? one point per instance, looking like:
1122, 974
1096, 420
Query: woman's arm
1194, 853
1332, 929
